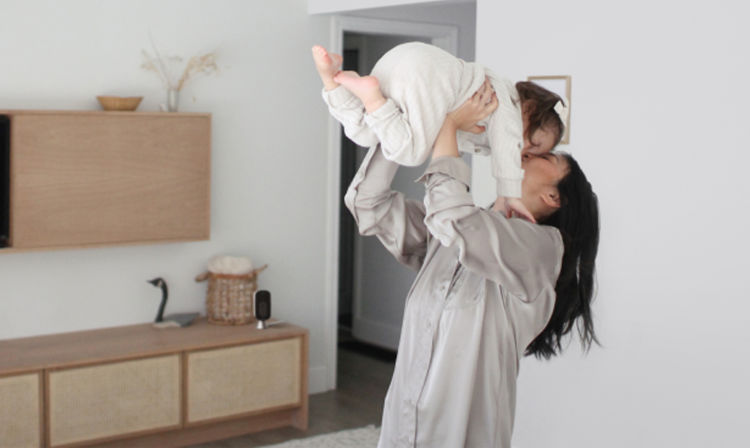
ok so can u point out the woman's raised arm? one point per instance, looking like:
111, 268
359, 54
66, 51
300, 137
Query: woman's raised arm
396, 221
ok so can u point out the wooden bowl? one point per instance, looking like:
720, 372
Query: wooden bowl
119, 102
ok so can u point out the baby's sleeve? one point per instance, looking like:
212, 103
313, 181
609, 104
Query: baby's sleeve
505, 135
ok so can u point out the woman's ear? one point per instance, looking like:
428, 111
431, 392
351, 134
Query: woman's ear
551, 197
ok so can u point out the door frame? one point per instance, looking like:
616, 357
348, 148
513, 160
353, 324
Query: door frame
443, 36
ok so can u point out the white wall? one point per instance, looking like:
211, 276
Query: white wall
337, 6
659, 123
269, 155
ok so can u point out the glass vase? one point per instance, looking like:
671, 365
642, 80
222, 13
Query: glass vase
173, 100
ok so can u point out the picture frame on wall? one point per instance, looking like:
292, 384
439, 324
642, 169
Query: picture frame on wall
559, 84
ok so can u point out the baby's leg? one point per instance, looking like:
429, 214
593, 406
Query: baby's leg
420, 83
399, 142
346, 108
328, 66
366, 88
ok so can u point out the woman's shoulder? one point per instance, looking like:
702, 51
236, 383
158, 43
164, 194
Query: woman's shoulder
542, 242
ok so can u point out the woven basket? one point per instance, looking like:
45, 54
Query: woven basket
229, 298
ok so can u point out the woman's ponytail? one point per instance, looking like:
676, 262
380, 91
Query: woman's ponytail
577, 219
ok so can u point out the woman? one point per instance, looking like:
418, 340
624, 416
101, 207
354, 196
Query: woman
489, 288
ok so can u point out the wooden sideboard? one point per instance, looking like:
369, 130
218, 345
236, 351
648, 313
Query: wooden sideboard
93, 178
138, 386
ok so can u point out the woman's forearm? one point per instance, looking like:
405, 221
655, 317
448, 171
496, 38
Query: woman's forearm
446, 144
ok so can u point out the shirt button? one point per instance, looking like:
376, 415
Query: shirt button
519, 146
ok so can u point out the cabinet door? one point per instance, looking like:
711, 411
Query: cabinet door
110, 400
108, 178
242, 380
20, 411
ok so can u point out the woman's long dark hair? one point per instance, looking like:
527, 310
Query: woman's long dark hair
577, 219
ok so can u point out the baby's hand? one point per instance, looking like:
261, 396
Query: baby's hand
513, 207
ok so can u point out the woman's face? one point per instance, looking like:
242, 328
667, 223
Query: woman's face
541, 176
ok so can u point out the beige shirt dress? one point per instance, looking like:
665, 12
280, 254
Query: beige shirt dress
484, 290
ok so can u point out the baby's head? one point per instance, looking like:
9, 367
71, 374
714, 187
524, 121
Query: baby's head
542, 126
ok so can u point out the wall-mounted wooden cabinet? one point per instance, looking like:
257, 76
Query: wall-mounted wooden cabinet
80, 178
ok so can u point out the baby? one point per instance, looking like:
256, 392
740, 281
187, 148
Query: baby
403, 103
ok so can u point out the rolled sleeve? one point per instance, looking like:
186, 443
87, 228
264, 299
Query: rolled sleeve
340, 97
453, 167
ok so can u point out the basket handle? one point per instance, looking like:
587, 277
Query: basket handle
260, 269
204, 276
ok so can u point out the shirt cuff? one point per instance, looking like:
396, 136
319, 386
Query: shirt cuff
453, 167
382, 113
338, 97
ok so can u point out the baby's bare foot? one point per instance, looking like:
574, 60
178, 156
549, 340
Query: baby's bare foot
328, 65
366, 88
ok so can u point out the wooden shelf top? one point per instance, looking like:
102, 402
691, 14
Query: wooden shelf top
82, 348
102, 112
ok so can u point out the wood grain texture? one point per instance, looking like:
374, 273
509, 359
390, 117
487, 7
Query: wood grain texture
89, 347
301, 417
20, 414
129, 386
80, 179
205, 433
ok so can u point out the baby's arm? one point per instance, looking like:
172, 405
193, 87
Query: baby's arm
505, 135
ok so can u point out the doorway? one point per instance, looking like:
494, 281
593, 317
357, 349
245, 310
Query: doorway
372, 284
367, 286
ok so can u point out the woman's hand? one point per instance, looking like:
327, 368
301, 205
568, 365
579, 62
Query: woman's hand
465, 118
475, 109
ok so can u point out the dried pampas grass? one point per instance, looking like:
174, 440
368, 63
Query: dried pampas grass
165, 66
205, 64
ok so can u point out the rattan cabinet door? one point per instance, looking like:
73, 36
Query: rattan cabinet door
110, 400
20, 411
229, 382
